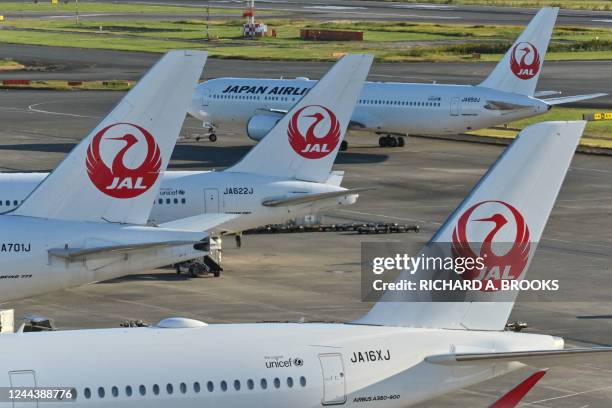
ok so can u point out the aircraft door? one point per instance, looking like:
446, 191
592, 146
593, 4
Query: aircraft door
21, 379
211, 200
454, 106
334, 382
205, 97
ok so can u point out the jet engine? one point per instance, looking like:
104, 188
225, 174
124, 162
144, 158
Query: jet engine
259, 125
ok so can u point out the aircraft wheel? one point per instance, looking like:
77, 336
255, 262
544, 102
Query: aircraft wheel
382, 142
401, 142
343, 146
212, 137
392, 142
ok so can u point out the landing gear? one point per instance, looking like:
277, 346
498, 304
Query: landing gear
343, 146
238, 240
391, 141
212, 136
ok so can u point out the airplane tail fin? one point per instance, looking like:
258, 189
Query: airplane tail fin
500, 222
520, 69
304, 143
114, 173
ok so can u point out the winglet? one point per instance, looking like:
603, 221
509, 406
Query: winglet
114, 173
513, 397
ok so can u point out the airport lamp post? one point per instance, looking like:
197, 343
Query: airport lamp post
76, 8
207, 20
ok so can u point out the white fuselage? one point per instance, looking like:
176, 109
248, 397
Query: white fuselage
256, 365
383, 107
185, 194
28, 269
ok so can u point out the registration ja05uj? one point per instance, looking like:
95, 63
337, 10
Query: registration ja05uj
37, 394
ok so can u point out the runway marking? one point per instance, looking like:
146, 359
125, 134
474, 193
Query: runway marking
32, 108
335, 7
568, 395
602, 21
424, 7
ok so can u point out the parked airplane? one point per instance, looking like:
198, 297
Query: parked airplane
392, 109
85, 221
259, 190
398, 354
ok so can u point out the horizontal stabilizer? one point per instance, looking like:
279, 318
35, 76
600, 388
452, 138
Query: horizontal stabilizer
541, 94
570, 99
197, 223
545, 358
335, 178
76, 254
308, 198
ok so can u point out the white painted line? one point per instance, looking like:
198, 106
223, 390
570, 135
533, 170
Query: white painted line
568, 395
32, 108
335, 7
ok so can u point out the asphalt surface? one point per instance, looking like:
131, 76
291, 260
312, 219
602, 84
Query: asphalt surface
570, 77
316, 276
357, 9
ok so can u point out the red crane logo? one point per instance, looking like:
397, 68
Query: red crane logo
508, 265
119, 180
314, 145
525, 60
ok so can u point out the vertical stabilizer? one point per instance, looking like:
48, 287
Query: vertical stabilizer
510, 206
305, 142
520, 69
114, 173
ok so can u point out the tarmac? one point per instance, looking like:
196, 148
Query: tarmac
348, 10
316, 276
65, 63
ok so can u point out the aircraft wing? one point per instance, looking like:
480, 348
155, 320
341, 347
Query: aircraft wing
535, 357
198, 223
307, 198
569, 99
75, 254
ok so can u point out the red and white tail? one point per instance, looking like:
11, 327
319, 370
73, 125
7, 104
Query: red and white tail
114, 173
304, 143
509, 208
520, 69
